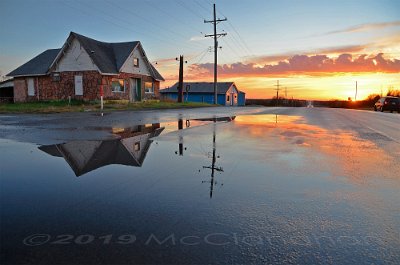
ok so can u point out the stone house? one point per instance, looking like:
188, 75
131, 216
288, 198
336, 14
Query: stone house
85, 69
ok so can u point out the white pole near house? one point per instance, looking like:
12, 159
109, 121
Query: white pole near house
101, 100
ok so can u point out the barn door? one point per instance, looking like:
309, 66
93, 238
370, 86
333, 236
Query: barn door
78, 85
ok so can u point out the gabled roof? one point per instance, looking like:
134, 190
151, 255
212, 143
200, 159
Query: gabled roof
108, 57
200, 87
38, 65
156, 74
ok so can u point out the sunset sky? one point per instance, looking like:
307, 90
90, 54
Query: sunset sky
317, 49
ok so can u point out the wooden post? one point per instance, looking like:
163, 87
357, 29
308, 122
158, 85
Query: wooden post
180, 86
101, 98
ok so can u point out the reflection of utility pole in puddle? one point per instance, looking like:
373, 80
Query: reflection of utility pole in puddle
213, 167
180, 127
276, 120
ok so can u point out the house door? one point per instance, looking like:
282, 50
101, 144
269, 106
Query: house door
232, 99
138, 89
135, 91
78, 85
133, 94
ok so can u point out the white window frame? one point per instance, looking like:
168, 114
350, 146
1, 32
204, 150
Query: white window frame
124, 84
134, 60
152, 88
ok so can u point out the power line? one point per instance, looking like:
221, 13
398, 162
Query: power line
202, 57
241, 42
189, 9
240, 37
201, 5
198, 55
233, 50
238, 45
152, 36
147, 20
238, 34
172, 16
112, 22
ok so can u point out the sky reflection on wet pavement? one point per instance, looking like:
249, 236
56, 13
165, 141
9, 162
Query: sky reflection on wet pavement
239, 189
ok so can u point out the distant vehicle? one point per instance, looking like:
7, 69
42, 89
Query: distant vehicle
388, 103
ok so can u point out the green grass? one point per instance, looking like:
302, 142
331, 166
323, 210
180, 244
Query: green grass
79, 106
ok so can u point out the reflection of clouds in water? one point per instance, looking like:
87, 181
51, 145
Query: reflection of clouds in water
344, 153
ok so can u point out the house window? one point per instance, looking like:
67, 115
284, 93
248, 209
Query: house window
136, 62
137, 147
118, 85
227, 99
148, 87
56, 77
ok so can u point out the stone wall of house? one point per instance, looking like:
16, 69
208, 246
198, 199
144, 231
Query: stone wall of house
48, 88
51, 89
21, 89
107, 88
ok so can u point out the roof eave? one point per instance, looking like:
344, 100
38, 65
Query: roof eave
60, 53
26, 75
137, 44
63, 49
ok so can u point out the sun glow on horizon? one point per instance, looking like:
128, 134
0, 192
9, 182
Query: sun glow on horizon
327, 87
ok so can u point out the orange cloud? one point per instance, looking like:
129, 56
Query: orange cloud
315, 65
327, 51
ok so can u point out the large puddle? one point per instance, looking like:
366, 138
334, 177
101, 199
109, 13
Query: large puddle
245, 189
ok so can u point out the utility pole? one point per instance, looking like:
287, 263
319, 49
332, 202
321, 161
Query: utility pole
286, 99
180, 86
213, 167
355, 97
277, 92
216, 35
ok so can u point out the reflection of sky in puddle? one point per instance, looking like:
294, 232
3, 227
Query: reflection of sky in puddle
268, 175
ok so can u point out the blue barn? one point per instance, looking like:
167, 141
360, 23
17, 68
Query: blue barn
228, 94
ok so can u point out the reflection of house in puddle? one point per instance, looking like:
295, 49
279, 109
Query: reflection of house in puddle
130, 149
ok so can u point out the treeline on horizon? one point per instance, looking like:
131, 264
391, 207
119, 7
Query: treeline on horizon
333, 103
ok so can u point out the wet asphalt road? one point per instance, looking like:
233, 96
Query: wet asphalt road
375, 126
271, 186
